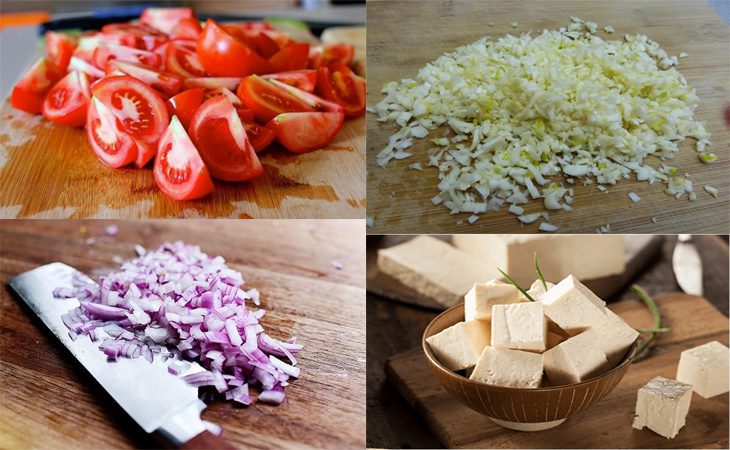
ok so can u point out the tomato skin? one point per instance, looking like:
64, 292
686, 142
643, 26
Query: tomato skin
185, 104
338, 83
267, 99
68, 100
306, 132
260, 137
224, 55
292, 57
114, 147
305, 79
188, 28
59, 48
30, 92
165, 19
314, 102
219, 136
137, 35
229, 83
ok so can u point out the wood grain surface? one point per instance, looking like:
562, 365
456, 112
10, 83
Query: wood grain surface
394, 327
48, 401
607, 424
406, 35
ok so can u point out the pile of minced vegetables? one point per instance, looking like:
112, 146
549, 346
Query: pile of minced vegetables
508, 117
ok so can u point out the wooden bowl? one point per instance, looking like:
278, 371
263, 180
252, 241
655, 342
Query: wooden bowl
520, 409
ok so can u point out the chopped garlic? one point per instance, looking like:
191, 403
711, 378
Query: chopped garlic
605, 229
634, 197
415, 166
653, 220
711, 190
369, 221
513, 24
514, 209
544, 226
529, 218
608, 29
683, 55
473, 218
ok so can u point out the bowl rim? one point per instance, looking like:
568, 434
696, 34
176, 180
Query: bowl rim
628, 358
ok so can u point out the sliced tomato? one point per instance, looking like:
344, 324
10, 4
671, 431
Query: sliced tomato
292, 57
165, 19
185, 104
220, 137
245, 114
267, 99
82, 66
68, 100
140, 109
86, 46
306, 132
183, 61
338, 83
59, 49
224, 55
305, 79
110, 142
137, 35
110, 52
30, 92
260, 137
188, 28
166, 83
313, 101
260, 42
229, 83
179, 171
226, 92
342, 53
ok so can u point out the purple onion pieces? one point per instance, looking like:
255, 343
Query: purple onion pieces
177, 302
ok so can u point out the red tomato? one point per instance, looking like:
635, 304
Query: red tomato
86, 47
224, 55
338, 52
259, 41
306, 132
219, 135
185, 104
82, 66
338, 83
30, 92
303, 79
59, 48
267, 100
212, 82
245, 114
224, 91
110, 142
187, 28
260, 137
135, 34
140, 109
68, 100
167, 83
292, 57
311, 100
179, 171
165, 19
109, 52
184, 62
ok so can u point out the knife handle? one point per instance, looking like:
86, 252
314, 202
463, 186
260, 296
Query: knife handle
207, 441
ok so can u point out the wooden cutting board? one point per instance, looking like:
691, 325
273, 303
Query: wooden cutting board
49, 401
694, 321
639, 251
399, 198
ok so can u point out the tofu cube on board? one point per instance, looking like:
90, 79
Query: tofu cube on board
519, 326
572, 306
506, 367
576, 359
481, 297
459, 346
706, 368
615, 337
662, 405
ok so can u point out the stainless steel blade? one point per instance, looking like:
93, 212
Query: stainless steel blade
687, 265
154, 398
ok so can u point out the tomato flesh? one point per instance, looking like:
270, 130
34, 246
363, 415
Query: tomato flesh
166, 83
83, 66
188, 28
68, 100
267, 99
306, 132
185, 104
221, 139
108, 140
183, 61
292, 57
165, 19
338, 83
114, 52
59, 49
305, 79
30, 92
224, 55
260, 137
229, 83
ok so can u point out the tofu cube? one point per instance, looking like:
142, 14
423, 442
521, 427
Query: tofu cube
505, 367
536, 289
576, 359
706, 368
572, 306
459, 346
519, 326
662, 406
615, 336
481, 297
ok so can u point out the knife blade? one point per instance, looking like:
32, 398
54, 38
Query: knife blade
158, 401
687, 265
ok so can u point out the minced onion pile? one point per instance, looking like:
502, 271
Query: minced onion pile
521, 110
179, 304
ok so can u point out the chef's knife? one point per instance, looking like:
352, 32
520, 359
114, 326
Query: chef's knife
161, 403
687, 265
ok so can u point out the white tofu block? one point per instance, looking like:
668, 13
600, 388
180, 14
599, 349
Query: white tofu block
434, 269
615, 336
519, 326
585, 256
662, 406
576, 359
536, 290
459, 346
505, 367
706, 368
481, 297
572, 306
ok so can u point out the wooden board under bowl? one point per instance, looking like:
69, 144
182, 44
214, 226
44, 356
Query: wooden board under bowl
694, 321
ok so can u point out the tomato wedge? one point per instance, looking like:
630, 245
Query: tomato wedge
188, 28
292, 57
338, 83
109, 52
183, 61
224, 55
165, 19
30, 92
224, 91
305, 79
260, 137
135, 35
110, 142
185, 104
82, 66
167, 83
306, 132
59, 48
68, 100
179, 171
311, 100
220, 137
229, 83
267, 99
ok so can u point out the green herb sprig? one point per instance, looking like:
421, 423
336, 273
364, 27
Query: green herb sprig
539, 274
514, 283
658, 329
